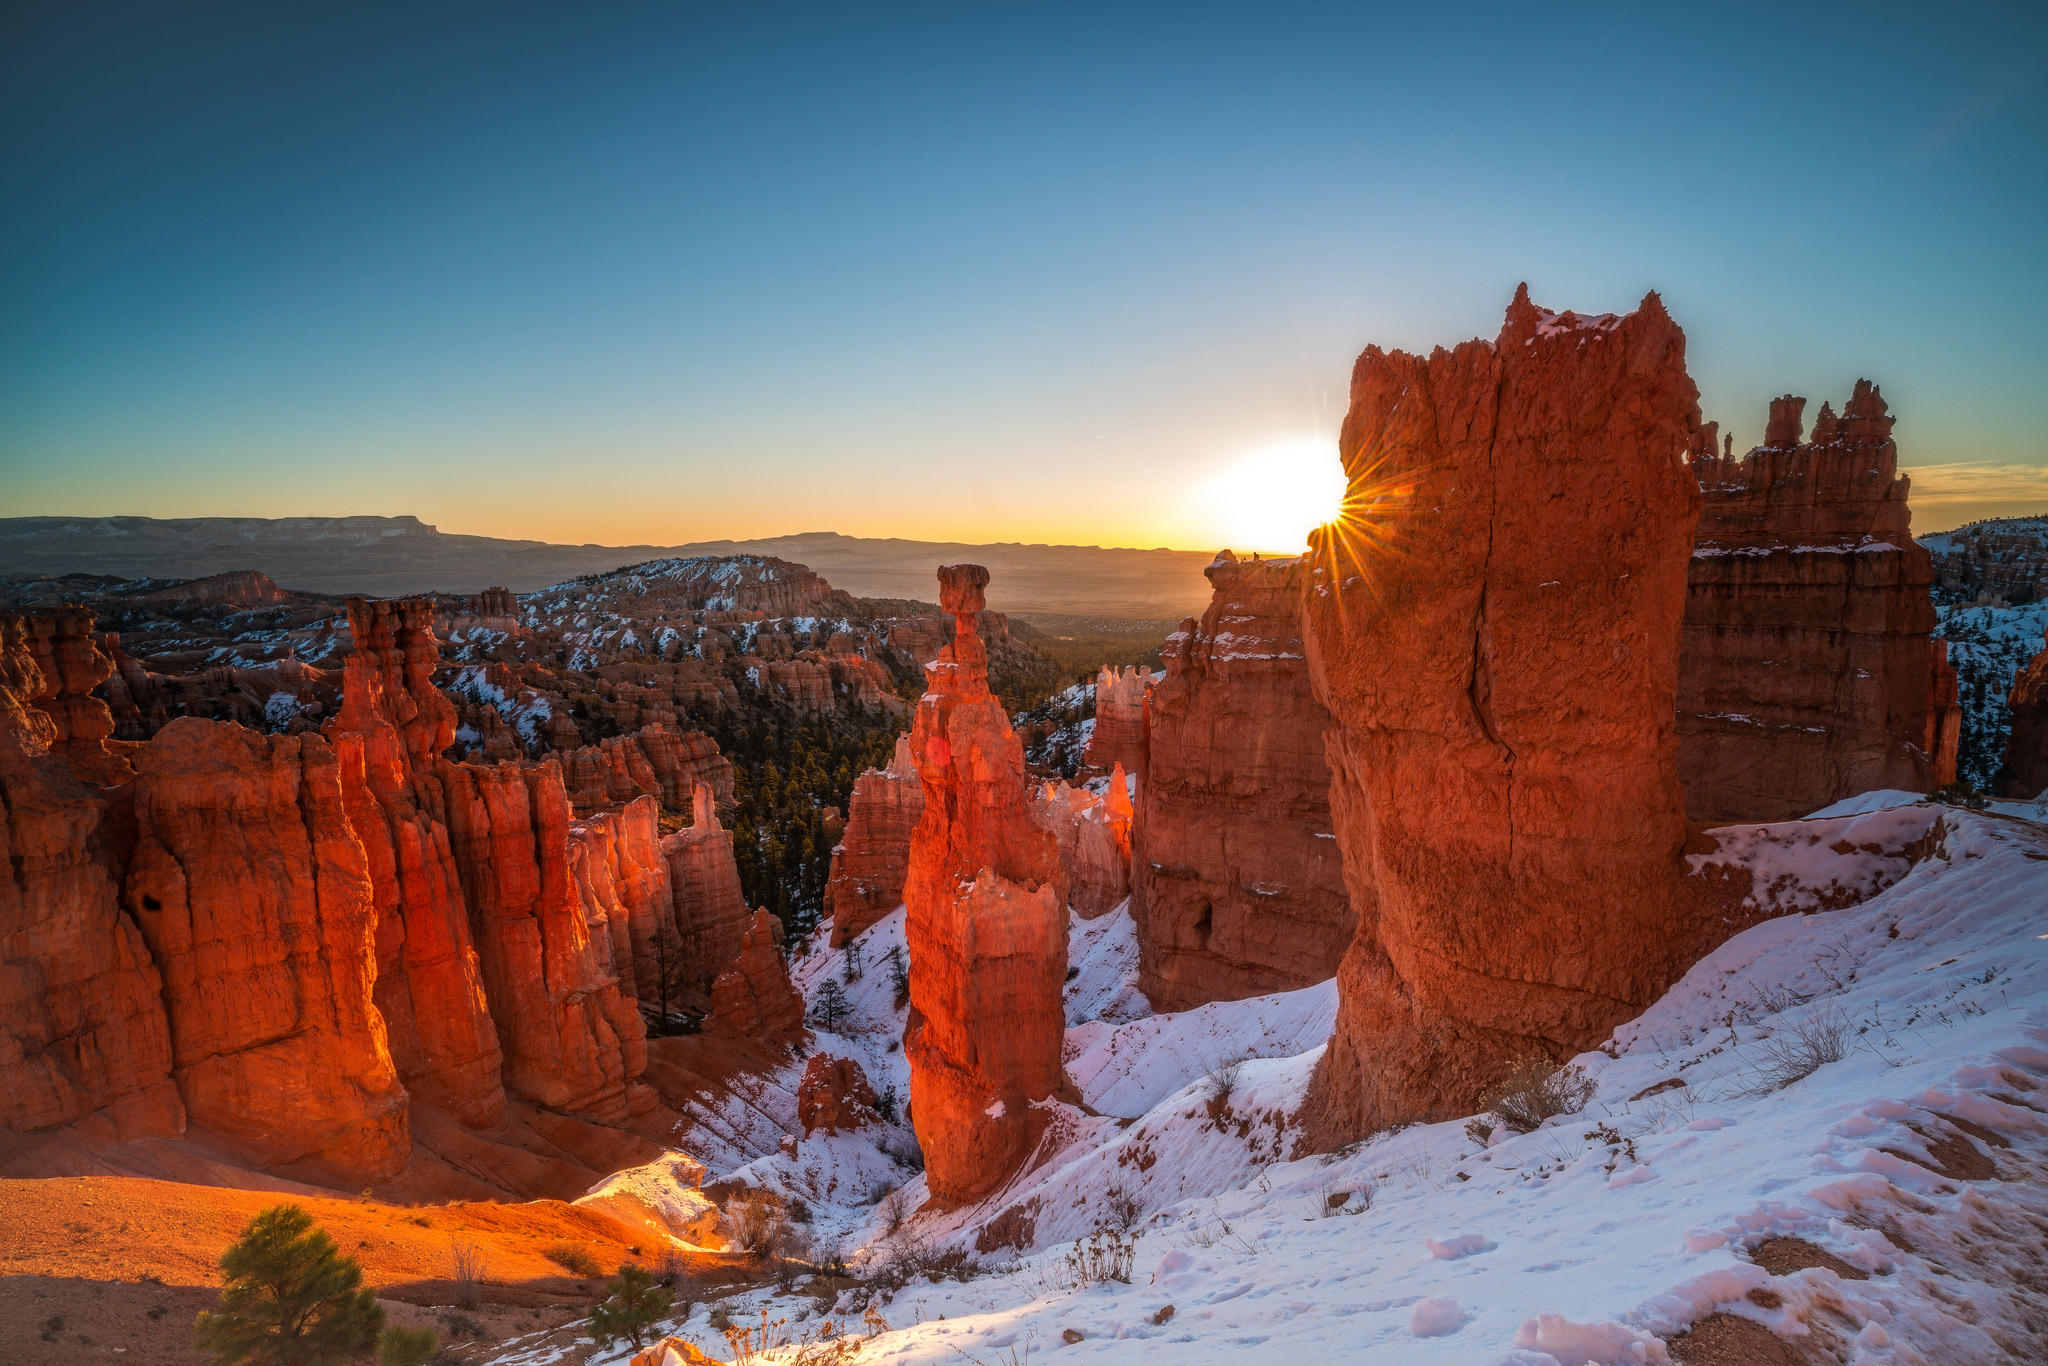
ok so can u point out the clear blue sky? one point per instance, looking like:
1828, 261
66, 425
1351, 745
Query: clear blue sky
656, 273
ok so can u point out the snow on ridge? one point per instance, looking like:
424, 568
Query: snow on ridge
1600, 1233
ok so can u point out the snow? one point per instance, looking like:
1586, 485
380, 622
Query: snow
1586, 1241
1435, 1317
1988, 646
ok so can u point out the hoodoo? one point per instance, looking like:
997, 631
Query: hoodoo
1809, 670
987, 926
1119, 733
1236, 886
1494, 630
302, 944
83, 1035
872, 859
711, 909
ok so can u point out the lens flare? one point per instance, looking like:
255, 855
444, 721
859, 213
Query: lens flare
1272, 498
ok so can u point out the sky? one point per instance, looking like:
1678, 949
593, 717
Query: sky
1095, 273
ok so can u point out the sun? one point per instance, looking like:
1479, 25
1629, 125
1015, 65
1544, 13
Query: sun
1272, 498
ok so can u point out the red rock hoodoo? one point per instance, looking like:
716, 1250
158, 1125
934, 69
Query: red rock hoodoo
834, 1096
654, 760
310, 943
872, 859
753, 999
1093, 830
83, 1035
1236, 885
1119, 733
1809, 670
2025, 771
711, 909
254, 895
986, 928
1493, 626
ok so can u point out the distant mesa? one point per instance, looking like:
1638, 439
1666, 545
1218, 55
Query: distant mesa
387, 556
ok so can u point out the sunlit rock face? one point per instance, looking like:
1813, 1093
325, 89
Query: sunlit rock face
1493, 628
872, 858
254, 895
390, 730
986, 926
2025, 771
1810, 671
1237, 887
655, 760
1119, 734
83, 1035
1093, 831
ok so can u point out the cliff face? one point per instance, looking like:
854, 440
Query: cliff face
1493, 627
986, 927
83, 1034
1119, 734
1809, 669
2025, 771
872, 858
711, 910
753, 999
253, 893
1237, 887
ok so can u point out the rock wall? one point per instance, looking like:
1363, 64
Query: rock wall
654, 760
986, 926
872, 858
1493, 627
711, 910
253, 893
753, 999
1119, 734
1810, 671
83, 1034
2025, 772
1237, 886
1093, 830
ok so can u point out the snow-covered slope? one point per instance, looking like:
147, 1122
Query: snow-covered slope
1916, 1160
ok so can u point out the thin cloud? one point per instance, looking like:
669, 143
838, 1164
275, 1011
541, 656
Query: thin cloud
1979, 481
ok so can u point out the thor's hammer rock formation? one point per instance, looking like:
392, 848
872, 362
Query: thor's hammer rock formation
986, 928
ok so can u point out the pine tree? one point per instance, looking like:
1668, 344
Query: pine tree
633, 1304
829, 1010
291, 1298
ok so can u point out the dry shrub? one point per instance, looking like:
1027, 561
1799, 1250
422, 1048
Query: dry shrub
1797, 1051
1126, 1210
1105, 1255
759, 1222
823, 1344
1221, 1084
1537, 1089
470, 1268
573, 1259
